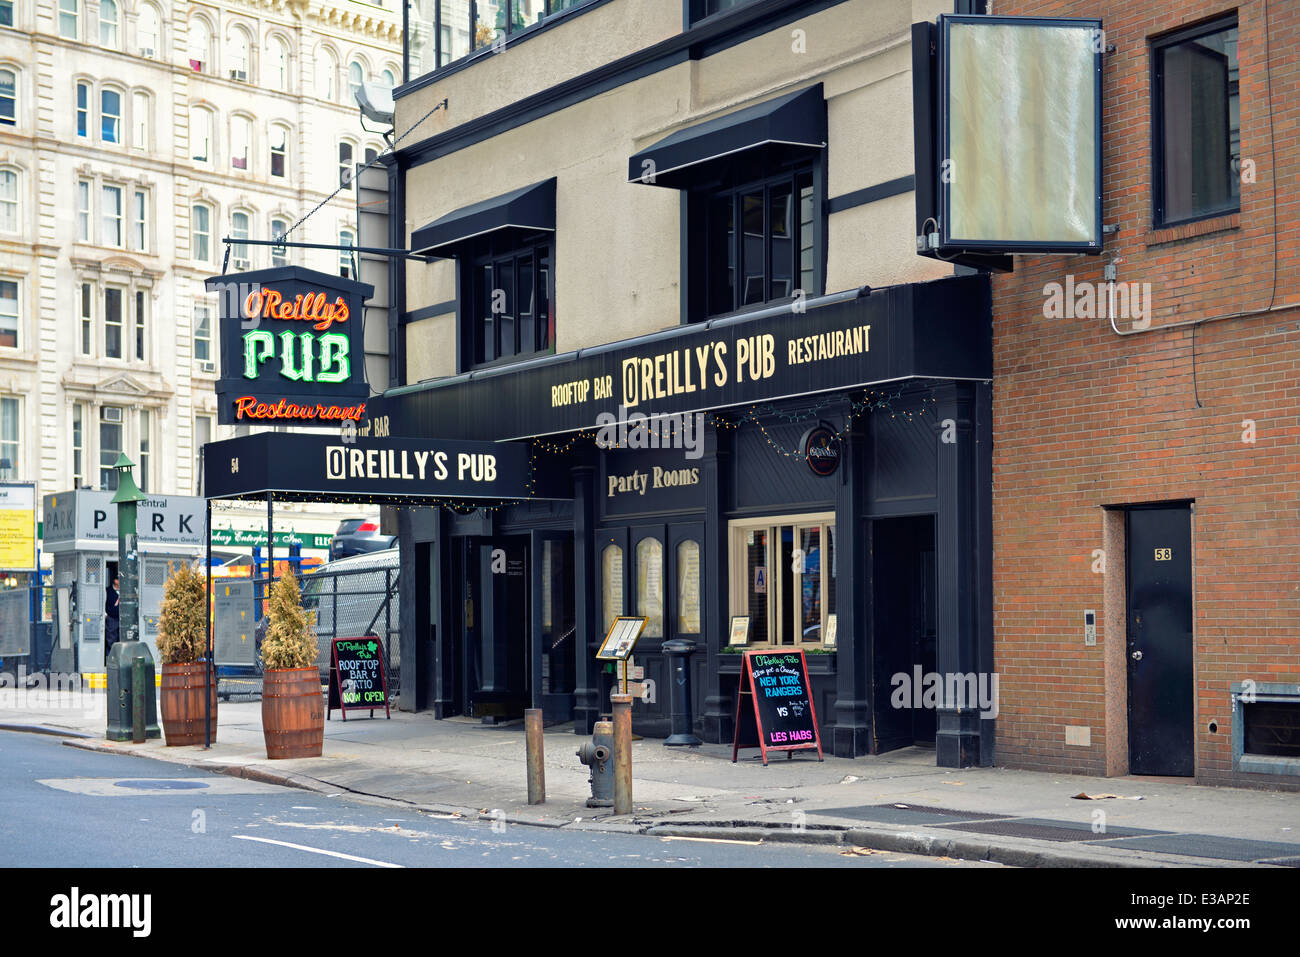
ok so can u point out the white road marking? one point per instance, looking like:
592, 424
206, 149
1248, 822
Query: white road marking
317, 850
710, 840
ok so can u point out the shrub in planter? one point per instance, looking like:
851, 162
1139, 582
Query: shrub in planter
293, 713
182, 649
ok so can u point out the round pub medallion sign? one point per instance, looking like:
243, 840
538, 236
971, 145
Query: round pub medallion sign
821, 450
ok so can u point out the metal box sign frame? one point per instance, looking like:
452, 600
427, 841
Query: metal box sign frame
292, 347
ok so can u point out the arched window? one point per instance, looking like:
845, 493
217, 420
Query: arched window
201, 232
278, 58
200, 134
279, 151
279, 254
110, 116
108, 23
355, 78
83, 109
347, 265
146, 30
239, 230
200, 44
346, 165
8, 98
141, 111
390, 77
9, 208
238, 54
241, 133
650, 585
327, 70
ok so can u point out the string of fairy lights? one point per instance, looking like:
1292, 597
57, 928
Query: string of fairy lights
759, 416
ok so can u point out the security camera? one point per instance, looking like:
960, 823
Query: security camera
376, 102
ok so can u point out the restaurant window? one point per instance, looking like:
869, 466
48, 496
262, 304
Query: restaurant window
650, 586
9, 313
512, 305
68, 11
1197, 120
611, 585
11, 436
110, 445
8, 98
783, 578
113, 322
688, 587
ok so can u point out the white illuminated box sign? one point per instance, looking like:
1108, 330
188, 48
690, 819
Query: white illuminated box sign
1018, 144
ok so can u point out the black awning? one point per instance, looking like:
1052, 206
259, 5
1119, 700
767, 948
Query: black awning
793, 120
531, 208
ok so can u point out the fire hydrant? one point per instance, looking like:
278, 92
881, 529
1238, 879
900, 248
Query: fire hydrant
597, 754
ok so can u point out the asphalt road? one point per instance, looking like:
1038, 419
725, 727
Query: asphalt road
66, 807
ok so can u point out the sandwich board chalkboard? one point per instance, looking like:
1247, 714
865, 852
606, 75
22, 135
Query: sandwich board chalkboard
774, 706
358, 676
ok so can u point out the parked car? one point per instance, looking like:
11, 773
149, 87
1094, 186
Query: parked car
353, 597
356, 536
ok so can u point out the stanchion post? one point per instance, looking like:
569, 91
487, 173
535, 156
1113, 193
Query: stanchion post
536, 756
137, 701
622, 753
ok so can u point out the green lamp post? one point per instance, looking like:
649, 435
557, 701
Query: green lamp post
132, 703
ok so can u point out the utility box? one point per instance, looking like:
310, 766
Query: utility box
121, 660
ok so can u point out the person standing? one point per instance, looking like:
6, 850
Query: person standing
111, 623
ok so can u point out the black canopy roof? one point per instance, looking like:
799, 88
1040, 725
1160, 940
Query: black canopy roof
530, 208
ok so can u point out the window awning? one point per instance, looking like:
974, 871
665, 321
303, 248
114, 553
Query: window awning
793, 120
530, 208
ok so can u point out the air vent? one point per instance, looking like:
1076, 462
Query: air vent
239, 74
208, 367
110, 413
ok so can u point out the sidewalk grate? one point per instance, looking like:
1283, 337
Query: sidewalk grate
914, 814
1213, 846
1041, 829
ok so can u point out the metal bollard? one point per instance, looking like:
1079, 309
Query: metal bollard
137, 701
536, 756
622, 753
679, 652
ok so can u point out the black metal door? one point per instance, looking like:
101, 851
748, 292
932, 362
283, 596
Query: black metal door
1161, 684
554, 641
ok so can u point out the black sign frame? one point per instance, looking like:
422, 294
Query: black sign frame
750, 707
336, 687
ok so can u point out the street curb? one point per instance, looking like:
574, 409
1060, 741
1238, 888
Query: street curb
45, 729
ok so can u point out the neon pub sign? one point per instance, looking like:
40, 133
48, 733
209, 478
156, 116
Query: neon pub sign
291, 347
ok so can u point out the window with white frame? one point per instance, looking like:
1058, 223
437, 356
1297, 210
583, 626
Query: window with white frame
140, 113
141, 325
9, 313
279, 151
6, 13
239, 230
200, 134
238, 54
111, 216
84, 187
390, 77
241, 132
278, 57
111, 444
202, 436
86, 310
356, 77
279, 254
83, 109
78, 445
11, 417
68, 11
10, 211
346, 165
347, 264
202, 332
147, 31
140, 220
201, 232
108, 24
110, 116
783, 577
113, 324
327, 71
200, 44
8, 98
145, 428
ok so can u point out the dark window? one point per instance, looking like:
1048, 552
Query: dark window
770, 258
346, 172
1271, 728
707, 8
510, 302
440, 32
1197, 117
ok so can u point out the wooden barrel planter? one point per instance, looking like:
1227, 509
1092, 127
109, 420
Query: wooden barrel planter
293, 713
181, 703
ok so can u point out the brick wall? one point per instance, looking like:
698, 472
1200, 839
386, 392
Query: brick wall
1085, 418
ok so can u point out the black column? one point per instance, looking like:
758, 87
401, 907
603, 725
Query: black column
408, 641
959, 556
719, 718
586, 692
851, 735
440, 632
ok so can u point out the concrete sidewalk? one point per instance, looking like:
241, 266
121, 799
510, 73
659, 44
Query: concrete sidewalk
898, 802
